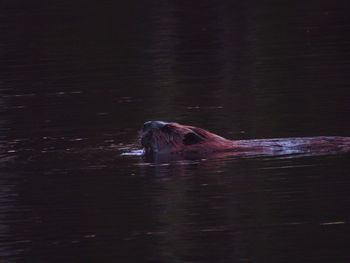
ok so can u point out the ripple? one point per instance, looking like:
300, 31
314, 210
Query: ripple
134, 153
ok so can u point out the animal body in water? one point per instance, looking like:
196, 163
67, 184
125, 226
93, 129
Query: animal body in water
168, 138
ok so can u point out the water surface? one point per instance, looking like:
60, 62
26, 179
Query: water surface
78, 81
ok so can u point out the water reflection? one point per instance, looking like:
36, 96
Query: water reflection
209, 203
77, 80
10, 211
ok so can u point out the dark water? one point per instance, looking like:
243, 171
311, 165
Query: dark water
78, 80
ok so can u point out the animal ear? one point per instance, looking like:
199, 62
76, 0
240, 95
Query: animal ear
192, 138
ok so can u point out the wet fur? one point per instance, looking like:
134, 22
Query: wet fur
177, 139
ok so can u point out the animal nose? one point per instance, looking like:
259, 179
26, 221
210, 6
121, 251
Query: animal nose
148, 125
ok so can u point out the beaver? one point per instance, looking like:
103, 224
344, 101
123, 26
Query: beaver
159, 137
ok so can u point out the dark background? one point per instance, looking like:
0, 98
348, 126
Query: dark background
78, 79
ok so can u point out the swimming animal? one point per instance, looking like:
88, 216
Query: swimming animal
160, 138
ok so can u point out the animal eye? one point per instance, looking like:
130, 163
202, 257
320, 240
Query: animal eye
192, 138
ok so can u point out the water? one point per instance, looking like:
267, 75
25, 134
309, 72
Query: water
77, 81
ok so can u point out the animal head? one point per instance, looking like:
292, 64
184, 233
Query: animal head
168, 137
